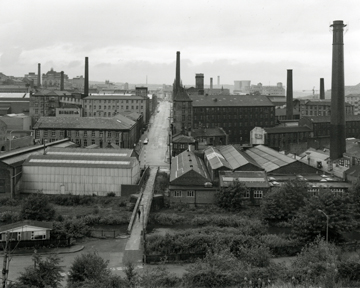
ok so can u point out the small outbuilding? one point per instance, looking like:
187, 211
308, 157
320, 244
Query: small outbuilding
26, 230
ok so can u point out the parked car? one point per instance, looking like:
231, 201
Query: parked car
146, 141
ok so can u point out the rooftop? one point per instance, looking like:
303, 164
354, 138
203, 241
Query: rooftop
268, 158
323, 119
287, 129
118, 122
208, 132
66, 160
251, 179
230, 100
186, 162
89, 152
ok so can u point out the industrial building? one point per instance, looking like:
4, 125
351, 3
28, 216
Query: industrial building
82, 173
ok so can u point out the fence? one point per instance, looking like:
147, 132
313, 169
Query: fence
350, 246
104, 233
190, 257
38, 243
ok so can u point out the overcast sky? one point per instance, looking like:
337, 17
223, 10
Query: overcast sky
127, 40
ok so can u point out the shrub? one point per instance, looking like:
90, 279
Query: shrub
7, 201
111, 194
349, 269
9, 216
37, 207
74, 228
72, 200
166, 219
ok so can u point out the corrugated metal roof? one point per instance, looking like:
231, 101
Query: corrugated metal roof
233, 156
88, 152
216, 159
186, 161
79, 161
268, 158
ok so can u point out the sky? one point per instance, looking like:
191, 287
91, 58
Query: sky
131, 40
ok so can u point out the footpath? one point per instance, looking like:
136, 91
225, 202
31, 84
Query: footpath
44, 251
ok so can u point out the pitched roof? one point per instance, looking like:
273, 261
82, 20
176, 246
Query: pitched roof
251, 179
46, 92
118, 122
187, 162
114, 97
268, 158
46, 225
230, 100
103, 152
216, 159
287, 129
182, 96
180, 138
208, 132
80, 161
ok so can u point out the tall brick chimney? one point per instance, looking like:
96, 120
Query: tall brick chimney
289, 95
211, 83
86, 77
177, 79
39, 76
62, 81
322, 88
337, 116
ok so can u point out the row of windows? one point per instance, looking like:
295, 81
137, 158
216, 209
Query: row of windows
228, 116
235, 109
191, 193
114, 101
77, 133
113, 107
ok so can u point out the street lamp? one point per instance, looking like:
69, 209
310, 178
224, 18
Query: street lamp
327, 225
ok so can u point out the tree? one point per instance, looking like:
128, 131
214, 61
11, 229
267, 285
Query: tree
282, 204
37, 207
355, 192
230, 198
88, 267
309, 222
44, 273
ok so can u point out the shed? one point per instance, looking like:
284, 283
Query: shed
26, 230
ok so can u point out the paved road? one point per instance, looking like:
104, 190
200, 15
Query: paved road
155, 153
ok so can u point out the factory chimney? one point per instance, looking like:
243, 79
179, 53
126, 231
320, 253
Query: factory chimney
289, 96
211, 83
337, 116
86, 77
322, 88
177, 79
39, 76
62, 81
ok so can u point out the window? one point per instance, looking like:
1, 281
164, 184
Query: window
77, 133
92, 141
92, 133
61, 133
85, 142
258, 193
53, 133
101, 134
190, 193
178, 193
35, 235
109, 134
85, 133
45, 133
247, 194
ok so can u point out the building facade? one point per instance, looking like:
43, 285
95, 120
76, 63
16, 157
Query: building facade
318, 107
236, 114
354, 99
103, 132
52, 79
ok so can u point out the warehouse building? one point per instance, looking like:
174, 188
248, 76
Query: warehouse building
83, 173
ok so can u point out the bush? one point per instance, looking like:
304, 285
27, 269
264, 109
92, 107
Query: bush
72, 200
166, 219
111, 194
349, 269
7, 201
74, 228
9, 216
37, 207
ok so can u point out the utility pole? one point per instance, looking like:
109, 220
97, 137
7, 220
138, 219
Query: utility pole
5, 270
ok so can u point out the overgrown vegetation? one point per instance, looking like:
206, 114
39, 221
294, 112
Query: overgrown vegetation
231, 198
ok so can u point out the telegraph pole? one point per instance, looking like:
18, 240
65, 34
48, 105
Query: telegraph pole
5, 270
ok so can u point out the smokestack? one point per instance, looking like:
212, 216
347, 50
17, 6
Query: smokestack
39, 76
211, 83
289, 95
177, 79
86, 81
199, 81
62, 81
337, 114
218, 82
322, 88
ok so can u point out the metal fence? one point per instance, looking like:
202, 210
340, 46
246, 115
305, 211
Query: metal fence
104, 233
